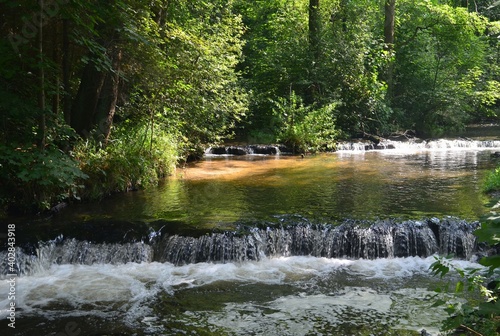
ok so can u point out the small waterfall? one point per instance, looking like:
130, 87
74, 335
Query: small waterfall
350, 239
361, 146
71, 251
438, 144
455, 237
247, 150
383, 239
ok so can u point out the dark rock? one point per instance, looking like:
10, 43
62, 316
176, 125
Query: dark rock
218, 150
58, 207
265, 150
246, 150
284, 149
406, 136
384, 146
233, 150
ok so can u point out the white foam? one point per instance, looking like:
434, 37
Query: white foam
411, 146
127, 289
304, 314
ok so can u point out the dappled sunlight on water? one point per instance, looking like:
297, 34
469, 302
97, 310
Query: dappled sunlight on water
217, 192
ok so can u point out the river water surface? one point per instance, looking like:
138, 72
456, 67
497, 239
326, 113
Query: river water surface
406, 183
283, 295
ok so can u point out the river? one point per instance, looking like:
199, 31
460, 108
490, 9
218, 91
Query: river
108, 269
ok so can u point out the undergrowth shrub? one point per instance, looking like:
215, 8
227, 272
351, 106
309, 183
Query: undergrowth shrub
32, 179
305, 128
137, 156
492, 181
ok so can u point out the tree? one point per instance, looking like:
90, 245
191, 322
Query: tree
314, 30
276, 59
354, 66
95, 101
163, 69
439, 60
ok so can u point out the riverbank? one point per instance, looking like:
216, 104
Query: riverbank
139, 159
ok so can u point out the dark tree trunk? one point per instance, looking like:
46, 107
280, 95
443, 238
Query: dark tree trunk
66, 72
390, 13
41, 89
314, 29
85, 103
55, 58
95, 102
106, 105
314, 48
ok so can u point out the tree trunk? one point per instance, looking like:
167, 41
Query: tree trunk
390, 10
85, 103
390, 13
55, 59
41, 90
106, 106
66, 72
314, 29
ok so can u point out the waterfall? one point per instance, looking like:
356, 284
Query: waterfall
361, 146
350, 239
72, 251
383, 239
419, 145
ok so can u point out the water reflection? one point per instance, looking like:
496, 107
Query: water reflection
331, 186
217, 192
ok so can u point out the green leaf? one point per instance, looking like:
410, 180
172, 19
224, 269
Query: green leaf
438, 303
492, 261
459, 287
489, 231
490, 308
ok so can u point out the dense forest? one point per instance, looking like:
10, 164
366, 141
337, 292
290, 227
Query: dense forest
104, 96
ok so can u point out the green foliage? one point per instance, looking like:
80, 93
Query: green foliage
138, 155
346, 65
354, 61
305, 129
492, 181
187, 73
489, 233
474, 307
171, 63
34, 180
275, 57
440, 57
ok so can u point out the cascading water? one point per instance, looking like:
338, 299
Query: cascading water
349, 240
440, 144
88, 281
359, 146
247, 150
380, 240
